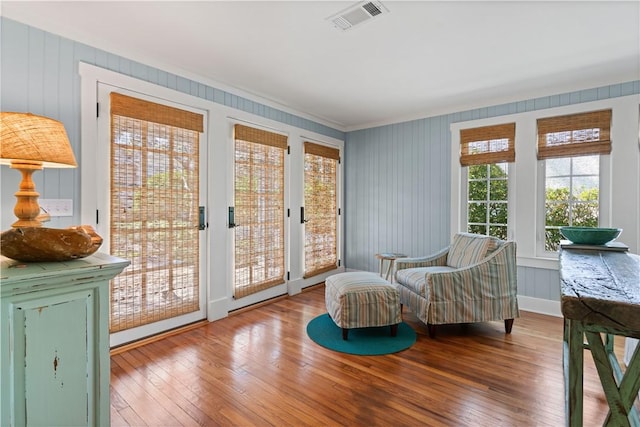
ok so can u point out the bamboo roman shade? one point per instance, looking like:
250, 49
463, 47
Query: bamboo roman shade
320, 202
321, 150
140, 109
260, 136
154, 211
580, 134
259, 210
488, 145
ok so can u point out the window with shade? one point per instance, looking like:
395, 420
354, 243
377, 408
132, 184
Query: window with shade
259, 257
154, 197
571, 147
320, 208
486, 152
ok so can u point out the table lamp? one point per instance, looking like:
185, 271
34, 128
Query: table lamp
28, 143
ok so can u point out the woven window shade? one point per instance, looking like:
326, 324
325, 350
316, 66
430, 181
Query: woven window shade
259, 136
321, 150
140, 109
320, 202
154, 212
259, 210
488, 145
582, 134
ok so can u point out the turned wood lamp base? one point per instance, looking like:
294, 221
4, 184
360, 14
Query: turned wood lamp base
27, 208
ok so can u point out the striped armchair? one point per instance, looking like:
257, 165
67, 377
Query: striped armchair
473, 280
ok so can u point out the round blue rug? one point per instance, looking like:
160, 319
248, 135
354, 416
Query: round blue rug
362, 341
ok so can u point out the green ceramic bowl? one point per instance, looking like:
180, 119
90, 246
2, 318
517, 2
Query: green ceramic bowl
590, 235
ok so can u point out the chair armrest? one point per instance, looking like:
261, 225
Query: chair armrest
439, 258
493, 277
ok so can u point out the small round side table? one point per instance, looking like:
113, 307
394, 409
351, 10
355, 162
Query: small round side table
391, 258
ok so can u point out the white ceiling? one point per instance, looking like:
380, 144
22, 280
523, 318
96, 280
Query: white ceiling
420, 59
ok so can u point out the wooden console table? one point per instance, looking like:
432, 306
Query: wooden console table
600, 299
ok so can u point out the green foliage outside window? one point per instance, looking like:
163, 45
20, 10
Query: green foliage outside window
581, 210
487, 196
488, 208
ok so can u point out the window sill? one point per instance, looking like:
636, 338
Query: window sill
537, 262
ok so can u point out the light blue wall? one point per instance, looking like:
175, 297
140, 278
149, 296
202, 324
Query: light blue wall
397, 177
39, 74
398, 185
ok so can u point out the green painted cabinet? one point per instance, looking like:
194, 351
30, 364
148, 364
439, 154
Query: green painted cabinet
55, 341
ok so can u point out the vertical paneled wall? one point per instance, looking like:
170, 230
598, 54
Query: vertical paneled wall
398, 184
397, 187
39, 74
539, 283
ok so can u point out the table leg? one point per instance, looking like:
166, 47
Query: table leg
619, 392
630, 386
573, 365
389, 268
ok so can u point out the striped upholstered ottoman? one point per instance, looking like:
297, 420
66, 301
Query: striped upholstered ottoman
361, 300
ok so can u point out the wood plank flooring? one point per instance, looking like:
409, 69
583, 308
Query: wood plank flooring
259, 368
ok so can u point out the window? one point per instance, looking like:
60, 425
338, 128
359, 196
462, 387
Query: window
487, 197
570, 147
486, 152
571, 195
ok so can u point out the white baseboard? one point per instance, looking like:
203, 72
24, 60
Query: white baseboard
295, 286
217, 309
539, 305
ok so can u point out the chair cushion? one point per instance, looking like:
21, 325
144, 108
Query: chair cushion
467, 249
415, 278
494, 244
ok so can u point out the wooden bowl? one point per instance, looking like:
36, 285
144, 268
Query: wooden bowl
40, 244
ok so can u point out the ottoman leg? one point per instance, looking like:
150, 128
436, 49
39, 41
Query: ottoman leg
432, 330
345, 333
394, 330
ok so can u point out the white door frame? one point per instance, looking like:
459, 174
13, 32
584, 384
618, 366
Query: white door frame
97, 83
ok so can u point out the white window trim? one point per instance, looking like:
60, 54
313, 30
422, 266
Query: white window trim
619, 171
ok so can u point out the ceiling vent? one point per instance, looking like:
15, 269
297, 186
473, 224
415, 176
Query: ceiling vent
356, 15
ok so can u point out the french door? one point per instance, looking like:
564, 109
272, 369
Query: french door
259, 211
154, 161
320, 208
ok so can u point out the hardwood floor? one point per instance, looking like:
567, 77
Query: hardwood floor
259, 367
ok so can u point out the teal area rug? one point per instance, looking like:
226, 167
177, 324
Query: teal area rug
362, 341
